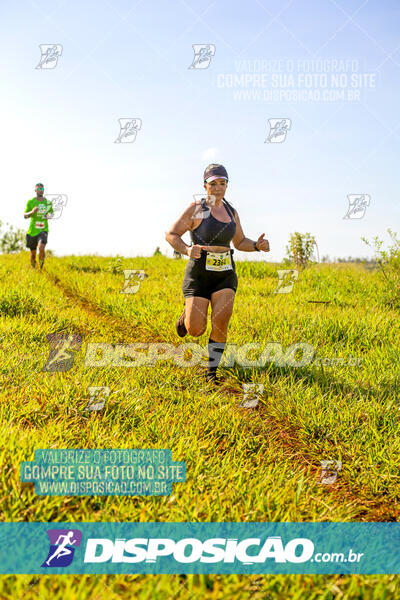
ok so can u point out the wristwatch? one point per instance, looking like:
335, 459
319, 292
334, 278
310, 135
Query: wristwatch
255, 246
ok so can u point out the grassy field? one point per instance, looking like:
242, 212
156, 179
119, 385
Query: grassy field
259, 464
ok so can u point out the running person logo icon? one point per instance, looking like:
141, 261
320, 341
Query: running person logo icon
203, 54
357, 205
50, 53
278, 130
128, 130
62, 348
287, 279
62, 547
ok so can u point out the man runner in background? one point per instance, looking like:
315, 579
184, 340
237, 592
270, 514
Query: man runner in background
38, 209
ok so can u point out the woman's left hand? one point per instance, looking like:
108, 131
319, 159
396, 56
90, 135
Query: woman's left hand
262, 244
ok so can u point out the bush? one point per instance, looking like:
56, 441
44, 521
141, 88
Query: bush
300, 249
389, 264
115, 265
12, 240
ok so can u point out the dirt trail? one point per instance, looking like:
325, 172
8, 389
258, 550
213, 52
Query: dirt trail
255, 421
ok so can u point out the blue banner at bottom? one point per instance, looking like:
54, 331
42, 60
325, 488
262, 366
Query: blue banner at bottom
177, 548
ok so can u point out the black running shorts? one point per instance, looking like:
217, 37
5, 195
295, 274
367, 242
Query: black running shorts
33, 240
200, 282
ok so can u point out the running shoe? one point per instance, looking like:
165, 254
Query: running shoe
213, 378
180, 325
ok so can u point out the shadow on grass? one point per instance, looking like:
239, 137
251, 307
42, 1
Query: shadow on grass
309, 374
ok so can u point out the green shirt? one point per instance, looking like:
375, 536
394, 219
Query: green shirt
38, 223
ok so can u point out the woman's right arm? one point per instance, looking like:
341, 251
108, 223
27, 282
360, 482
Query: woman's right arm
181, 226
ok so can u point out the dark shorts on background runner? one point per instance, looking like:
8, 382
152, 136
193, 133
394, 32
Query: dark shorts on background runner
200, 282
33, 240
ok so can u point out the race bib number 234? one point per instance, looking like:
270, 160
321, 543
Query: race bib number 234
218, 261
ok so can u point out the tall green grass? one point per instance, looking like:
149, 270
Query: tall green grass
258, 464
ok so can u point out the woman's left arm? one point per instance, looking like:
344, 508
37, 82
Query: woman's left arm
244, 244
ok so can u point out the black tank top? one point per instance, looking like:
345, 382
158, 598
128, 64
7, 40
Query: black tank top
211, 231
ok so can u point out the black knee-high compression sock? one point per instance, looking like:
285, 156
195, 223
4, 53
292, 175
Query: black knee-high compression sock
215, 352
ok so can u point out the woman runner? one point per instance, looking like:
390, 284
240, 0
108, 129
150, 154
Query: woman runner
210, 274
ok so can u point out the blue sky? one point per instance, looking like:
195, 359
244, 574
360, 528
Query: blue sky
130, 60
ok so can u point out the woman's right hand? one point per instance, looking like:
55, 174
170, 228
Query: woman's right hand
195, 251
